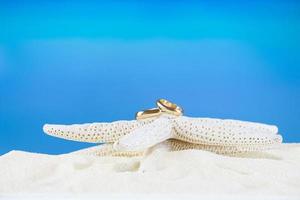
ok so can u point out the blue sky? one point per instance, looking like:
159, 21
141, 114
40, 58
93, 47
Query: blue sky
74, 62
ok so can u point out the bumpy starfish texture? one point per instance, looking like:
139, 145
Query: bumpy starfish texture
133, 138
172, 145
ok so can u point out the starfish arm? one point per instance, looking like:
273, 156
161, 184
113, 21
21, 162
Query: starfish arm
106, 150
225, 132
172, 145
147, 136
94, 132
178, 145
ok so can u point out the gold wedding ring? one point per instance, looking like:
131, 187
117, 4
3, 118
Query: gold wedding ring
154, 112
164, 106
169, 107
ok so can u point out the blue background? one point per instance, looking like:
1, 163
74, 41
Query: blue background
74, 62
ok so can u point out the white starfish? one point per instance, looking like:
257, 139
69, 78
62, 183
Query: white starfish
132, 138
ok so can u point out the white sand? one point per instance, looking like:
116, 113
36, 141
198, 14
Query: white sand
273, 174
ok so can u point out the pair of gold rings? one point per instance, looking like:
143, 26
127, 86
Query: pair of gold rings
163, 106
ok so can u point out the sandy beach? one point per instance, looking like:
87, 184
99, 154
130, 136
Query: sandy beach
274, 174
